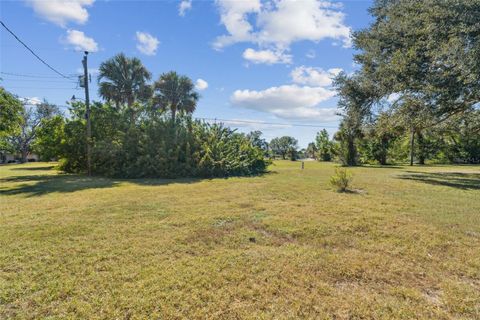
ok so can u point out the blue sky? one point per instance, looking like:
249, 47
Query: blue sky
268, 61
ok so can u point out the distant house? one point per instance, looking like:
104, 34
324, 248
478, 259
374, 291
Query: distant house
12, 158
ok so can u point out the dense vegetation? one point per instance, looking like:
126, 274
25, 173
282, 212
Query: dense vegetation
156, 146
415, 97
141, 130
418, 87
398, 243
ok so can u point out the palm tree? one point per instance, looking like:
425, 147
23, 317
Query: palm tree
123, 80
175, 93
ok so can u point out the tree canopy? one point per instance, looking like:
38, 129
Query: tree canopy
123, 81
10, 113
424, 49
284, 146
175, 93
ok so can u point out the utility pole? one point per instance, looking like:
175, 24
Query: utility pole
87, 115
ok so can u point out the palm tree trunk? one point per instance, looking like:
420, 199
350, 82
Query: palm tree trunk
130, 109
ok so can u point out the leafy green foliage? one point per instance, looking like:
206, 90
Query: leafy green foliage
256, 139
224, 152
357, 95
158, 147
311, 151
49, 138
427, 48
419, 62
324, 146
175, 93
32, 120
285, 147
123, 81
341, 179
378, 137
10, 113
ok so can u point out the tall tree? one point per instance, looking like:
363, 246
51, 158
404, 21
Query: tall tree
49, 137
32, 119
311, 151
428, 49
123, 81
379, 136
175, 93
256, 139
10, 113
414, 114
284, 146
357, 97
324, 146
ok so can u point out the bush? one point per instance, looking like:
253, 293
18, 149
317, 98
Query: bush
341, 179
157, 147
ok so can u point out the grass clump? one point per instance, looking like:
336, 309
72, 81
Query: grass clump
341, 180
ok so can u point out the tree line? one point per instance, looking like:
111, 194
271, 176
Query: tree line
142, 129
416, 95
414, 98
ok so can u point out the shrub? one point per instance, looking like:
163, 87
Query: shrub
341, 179
156, 147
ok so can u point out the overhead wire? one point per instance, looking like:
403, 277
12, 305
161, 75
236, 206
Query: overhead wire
266, 123
41, 88
22, 75
33, 52
38, 80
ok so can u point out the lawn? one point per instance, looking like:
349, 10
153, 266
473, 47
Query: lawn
404, 244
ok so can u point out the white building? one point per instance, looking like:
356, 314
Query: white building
11, 158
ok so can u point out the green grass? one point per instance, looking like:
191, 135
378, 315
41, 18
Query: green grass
405, 244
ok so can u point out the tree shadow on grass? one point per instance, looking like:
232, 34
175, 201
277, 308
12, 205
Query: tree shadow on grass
38, 185
41, 184
33, 168
378, 166
459, 180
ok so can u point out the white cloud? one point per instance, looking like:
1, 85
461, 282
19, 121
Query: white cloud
62, 11
314, 76
266, 56
146, 43
80, 41
184, 6
288, 101
234, 16
300, 100
92, 71
282, 22
201, 84
253, 124
292, 21
394, 97
32, 101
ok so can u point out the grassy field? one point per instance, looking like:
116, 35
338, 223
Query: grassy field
405, 244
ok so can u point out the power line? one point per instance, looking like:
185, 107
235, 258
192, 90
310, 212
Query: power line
69, 50
28, 48
40, 76
43, 88
38, 80
267, 123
